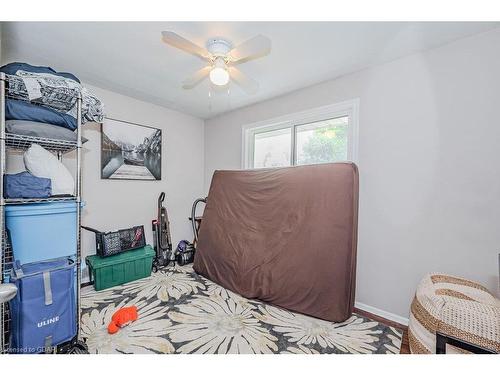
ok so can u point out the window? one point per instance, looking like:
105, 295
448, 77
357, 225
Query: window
323, 135
272, 148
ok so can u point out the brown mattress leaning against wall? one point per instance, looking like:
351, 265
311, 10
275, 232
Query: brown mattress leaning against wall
286, 236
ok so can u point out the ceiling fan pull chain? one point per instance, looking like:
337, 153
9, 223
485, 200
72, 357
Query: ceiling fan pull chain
210, 98
228, 98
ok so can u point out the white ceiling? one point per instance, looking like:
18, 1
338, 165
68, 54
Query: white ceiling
129, 58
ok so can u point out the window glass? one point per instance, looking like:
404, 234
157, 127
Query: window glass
272, 148
322, 142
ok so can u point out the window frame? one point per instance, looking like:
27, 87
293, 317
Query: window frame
348, 108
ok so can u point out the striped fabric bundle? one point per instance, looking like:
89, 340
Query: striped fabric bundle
455, 307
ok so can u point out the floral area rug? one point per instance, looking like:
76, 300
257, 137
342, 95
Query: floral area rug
182, 312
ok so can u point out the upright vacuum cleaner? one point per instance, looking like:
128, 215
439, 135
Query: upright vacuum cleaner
162, 240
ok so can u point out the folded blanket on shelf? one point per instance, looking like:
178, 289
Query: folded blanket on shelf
35, 129
13, 67
21, 110
42, 94
25, 185
55, 92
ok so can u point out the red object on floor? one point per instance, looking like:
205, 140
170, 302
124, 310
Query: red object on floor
121, 318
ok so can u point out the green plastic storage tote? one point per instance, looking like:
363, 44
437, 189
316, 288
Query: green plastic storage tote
121, 268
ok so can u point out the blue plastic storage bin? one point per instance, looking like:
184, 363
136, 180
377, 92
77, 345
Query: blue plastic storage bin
44, 309
42, 230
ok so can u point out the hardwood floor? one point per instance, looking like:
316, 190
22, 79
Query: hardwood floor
405, 347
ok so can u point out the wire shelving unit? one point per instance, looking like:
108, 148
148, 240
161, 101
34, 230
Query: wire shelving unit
19, 143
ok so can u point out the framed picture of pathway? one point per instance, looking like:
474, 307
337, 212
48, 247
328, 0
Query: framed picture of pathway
130, 151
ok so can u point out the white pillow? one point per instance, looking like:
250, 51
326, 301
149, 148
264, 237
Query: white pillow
41, 163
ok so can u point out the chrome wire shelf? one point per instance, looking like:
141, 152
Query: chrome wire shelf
39, 200
7, 257
8, 260
6, 319
23, 142
16, 143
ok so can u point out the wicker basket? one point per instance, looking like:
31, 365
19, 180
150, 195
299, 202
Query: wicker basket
454, 307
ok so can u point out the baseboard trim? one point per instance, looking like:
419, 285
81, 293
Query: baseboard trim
86, 283
384, 314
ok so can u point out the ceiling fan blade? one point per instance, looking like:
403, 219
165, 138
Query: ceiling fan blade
196, 78
246, 83
178, 41
253, 48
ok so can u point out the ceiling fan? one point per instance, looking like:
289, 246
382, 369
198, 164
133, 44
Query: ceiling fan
221, 57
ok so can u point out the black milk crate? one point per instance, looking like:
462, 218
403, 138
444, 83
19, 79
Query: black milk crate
111, 243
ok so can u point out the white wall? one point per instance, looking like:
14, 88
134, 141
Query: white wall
429, 150
114, 204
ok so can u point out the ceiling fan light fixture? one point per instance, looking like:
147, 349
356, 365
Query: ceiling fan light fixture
221, 57
219, 76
